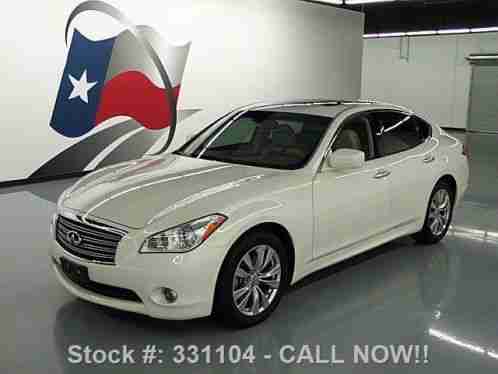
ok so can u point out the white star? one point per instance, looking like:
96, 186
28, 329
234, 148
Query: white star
80, 87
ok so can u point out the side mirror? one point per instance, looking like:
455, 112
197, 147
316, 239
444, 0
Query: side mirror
346, 158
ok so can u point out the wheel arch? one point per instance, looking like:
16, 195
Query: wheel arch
450, 179
278, 230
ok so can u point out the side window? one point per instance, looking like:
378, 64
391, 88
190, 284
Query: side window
296, 126
355, 134
397, 132
423, 129
239, 133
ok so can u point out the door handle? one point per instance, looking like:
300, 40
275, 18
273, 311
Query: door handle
382, 174
428, 158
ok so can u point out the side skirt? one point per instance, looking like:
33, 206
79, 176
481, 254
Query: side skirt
351, 250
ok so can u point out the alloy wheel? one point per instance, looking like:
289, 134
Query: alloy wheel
256, 280
439, 212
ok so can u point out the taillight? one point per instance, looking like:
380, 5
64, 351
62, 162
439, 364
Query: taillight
465, 150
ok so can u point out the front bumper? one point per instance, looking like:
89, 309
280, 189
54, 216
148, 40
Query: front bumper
192, 275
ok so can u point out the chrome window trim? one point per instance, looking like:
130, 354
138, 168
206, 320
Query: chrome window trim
406, 112
315, 159
391, 108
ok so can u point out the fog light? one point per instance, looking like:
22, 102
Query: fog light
170, 295
164, 296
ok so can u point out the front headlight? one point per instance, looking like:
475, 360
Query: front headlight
184, 237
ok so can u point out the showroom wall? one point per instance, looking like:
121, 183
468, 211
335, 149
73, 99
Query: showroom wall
222, 53
429, 74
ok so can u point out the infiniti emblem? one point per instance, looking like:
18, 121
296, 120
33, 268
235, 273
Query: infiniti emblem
73, 237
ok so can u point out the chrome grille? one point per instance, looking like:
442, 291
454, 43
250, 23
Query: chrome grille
95, 244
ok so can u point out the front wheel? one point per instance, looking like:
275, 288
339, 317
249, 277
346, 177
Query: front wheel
252, 280
439, 214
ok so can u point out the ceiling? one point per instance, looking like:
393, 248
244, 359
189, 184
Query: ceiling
418, 15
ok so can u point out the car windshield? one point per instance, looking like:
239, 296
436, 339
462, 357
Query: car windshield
261, 138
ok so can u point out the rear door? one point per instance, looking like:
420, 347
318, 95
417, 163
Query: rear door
405, 144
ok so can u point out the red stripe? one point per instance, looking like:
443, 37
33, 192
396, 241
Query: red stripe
132, 94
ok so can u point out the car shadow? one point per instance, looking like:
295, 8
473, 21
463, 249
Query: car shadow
311, 309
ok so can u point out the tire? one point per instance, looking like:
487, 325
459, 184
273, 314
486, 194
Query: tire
244, 252
432, 232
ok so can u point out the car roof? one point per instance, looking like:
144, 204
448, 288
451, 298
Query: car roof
318, 110
326, 108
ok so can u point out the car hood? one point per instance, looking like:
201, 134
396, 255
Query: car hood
137, 193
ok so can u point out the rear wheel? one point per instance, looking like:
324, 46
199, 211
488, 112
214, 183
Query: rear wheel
439, 214
252, 280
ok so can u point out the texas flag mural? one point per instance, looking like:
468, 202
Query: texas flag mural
116, 77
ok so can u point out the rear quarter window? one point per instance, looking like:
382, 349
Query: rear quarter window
398, 132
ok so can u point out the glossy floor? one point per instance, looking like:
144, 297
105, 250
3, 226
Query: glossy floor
442, 296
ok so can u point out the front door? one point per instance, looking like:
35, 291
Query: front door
351, 205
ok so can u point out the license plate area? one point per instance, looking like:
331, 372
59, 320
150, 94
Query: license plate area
76, 272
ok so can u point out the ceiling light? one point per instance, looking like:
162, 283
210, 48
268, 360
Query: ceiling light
391, 34
335, 2
432, 32
353, 2
454, 31
484, 29
417, 33
483, 57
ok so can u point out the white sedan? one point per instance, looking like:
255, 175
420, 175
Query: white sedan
252, 204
